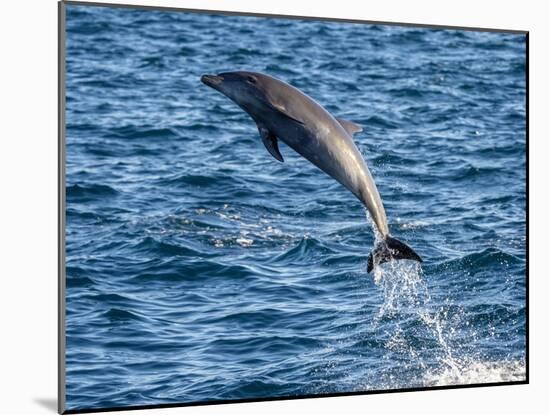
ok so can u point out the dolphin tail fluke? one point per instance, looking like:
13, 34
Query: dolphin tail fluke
390, 249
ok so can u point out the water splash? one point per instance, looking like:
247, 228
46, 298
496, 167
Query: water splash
406, 296
403, 287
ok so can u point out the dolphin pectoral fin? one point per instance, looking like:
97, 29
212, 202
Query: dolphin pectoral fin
271, 143
349, 126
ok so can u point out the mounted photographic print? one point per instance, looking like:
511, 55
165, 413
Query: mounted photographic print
278, 207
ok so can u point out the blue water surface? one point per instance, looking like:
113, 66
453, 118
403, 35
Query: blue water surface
199, 268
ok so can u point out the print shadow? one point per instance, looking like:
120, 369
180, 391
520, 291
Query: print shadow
48, 403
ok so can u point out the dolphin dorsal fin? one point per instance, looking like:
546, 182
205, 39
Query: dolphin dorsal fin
270, 142
349, 126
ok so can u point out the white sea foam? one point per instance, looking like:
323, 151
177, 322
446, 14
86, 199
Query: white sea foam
243, 240
473, 372
412, 225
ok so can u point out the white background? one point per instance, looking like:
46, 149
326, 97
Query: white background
28, 157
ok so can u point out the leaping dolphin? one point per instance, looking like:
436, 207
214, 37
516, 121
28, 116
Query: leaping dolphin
281, 111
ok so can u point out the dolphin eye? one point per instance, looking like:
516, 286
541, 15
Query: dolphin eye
251, 79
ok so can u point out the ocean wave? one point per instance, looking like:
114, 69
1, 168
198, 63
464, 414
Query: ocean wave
150, 245
408, 92
391, 158
153, 61
137, 132
193, 269
478, 260
469, 172
307, 249
109, 298
381, 122
91, 27
77, 281
116, 314
89, 192
203, 180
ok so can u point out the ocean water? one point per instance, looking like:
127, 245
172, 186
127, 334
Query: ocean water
199, 268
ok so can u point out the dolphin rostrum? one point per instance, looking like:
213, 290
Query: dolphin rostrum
284, 112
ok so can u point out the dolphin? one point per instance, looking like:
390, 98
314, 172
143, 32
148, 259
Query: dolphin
283, 112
